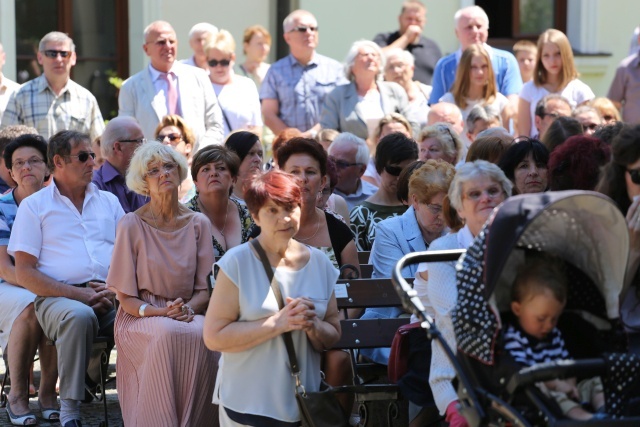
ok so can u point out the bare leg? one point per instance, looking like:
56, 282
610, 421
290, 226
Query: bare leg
598, 401
21, 349
337, 370
48, 373
578, 413
32, 386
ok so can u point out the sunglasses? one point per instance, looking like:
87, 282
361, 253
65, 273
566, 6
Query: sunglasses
135, 141
50, 53
215, 62
635, 175
393, 170
303, 29
83, 156
590, 126
173, 137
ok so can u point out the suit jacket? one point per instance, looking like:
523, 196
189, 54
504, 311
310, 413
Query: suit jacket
342, 111
198, 103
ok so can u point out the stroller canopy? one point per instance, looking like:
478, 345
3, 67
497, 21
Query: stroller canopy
584, 228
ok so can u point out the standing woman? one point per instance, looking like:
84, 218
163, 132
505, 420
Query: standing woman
248, 147
256, 45
475, 84
214, 171
160, 266
237, 95
555, 72
254, 386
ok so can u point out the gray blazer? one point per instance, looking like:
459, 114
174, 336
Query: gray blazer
341, 110
198, 103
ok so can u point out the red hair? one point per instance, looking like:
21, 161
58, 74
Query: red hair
575, 164
281, 187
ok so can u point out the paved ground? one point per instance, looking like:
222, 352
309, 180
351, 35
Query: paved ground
92, 413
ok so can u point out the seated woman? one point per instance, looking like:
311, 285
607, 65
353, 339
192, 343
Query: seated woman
525, 164
245, 323
20, 332
237, 95
440, 141
248, 147
394, 152
572, 165
390, 123
476, 189
475, 84
161, 262
214, 170
559, 131
358, 106
175, 132
607, 110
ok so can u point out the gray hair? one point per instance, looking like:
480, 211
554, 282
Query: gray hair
203, 27
404, 55
152, 152
56, 37
118, 128
448, 138
586, 109
487, 113
541, 106
470, 171
353, 52
471, 10
497, 132
349, 140
287, 24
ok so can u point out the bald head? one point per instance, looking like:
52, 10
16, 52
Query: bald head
160, 45
119, 140
447, 113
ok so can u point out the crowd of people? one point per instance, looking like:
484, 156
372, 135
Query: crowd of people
263, 181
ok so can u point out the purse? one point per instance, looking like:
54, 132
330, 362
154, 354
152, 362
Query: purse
399, 356
317, 409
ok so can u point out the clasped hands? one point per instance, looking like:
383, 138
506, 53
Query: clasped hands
297, 314
98, 297
179, 310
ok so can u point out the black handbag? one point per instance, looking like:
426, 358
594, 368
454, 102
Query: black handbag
317, 409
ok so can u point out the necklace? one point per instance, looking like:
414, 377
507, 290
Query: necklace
226, 215
156, 222
310, 237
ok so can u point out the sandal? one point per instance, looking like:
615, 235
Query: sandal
27, 419
49, 414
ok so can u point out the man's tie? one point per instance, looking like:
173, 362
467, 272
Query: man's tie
172, 93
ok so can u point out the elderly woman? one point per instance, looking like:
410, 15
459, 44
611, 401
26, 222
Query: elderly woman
525, 164
358, 106
20, 332
395, 151
175, 132
248, 147
256, 45
440, 141
214, 170
390, 123
589, 118
159, 270
476, 189
245, 323
237, 95
399, 69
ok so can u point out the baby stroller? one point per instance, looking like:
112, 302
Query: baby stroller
584, 229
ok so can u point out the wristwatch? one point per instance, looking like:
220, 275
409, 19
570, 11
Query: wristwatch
141, 309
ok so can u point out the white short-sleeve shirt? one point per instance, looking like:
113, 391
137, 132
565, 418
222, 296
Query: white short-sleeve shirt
240, 103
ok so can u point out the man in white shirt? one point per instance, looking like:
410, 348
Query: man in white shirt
167, 86
7, 87
62, 250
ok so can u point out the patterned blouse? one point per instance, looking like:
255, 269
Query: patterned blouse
246, 222
364, 218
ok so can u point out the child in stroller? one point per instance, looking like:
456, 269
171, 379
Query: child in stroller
538, 297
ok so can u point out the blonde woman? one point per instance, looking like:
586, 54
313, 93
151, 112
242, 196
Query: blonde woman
555, 72
256, 45
174, 132
237, 95
440, 141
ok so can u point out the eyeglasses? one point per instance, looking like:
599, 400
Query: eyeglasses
590, 126
393, 170
434, 209
341, 164
491, 192
166, 167
215, 62
553, 115
19, 164
635, 175
50, 53
135, 141
83, 156
173, 137
303, 29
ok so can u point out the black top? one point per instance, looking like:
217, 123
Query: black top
426, 53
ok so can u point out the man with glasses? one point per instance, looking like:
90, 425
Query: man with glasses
120, 139
548, 109
351, 155
53, 102
167, 86
62, 254
293, 91
7, 87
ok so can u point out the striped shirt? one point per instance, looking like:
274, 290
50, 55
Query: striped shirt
35, 104
527, 350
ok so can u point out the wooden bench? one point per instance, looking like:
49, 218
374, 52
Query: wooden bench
363, 257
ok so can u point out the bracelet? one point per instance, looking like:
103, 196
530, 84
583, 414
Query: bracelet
141, 309
187, 309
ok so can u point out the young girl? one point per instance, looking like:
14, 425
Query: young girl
476, 84
555, 72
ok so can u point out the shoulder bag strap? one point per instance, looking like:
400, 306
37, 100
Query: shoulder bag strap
288, 341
